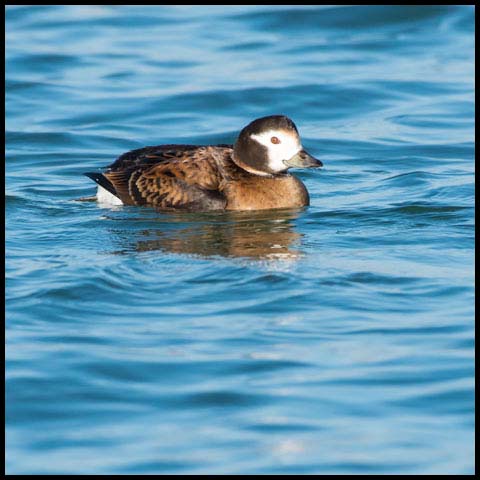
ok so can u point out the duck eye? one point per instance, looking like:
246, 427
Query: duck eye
275, 140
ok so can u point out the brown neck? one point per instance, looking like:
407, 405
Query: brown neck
249, 169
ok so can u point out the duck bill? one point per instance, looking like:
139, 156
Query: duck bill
303, 159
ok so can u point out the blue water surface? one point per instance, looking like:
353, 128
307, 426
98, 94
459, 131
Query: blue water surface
334, 339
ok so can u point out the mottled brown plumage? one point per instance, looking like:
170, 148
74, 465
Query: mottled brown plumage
201, 178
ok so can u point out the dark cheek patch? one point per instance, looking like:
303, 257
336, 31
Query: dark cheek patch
258, 157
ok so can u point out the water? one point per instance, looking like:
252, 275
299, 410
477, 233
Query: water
334, 339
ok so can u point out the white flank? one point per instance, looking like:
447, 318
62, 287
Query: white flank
289, 146
107, 198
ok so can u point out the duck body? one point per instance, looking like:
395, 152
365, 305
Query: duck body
244, 176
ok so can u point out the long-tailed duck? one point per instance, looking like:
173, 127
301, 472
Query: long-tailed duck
250, 175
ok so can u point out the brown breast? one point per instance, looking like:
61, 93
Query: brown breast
259, 193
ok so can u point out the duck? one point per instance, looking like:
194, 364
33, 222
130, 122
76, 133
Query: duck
251, 174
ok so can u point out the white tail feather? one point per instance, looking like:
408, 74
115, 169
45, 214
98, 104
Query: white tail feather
107, 198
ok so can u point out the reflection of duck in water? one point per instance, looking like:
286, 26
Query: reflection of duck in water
256, 235
250, 175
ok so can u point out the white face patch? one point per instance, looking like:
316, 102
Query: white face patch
278, 152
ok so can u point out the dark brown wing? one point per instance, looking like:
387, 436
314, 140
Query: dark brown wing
171, 177
148, 156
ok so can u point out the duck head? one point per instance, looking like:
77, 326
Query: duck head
271, 145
